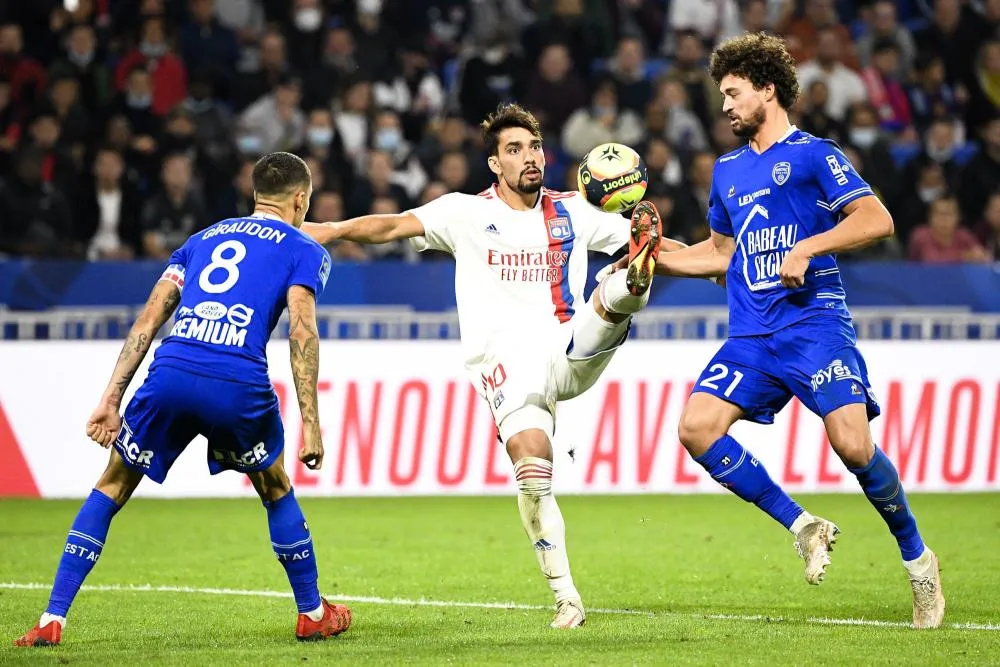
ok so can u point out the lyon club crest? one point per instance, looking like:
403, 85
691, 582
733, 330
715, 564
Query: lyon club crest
781, 172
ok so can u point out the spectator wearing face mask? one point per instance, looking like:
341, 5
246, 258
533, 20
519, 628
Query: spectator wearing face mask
305, 35
83, 64
943, 240
864, 135
927, 184
387, 136
324, 143
940, 143
169, 76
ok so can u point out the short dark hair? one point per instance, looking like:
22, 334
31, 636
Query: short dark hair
506, 117
279, 174
885, 44
761, 59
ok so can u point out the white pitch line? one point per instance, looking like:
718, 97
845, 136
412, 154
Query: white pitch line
424, 602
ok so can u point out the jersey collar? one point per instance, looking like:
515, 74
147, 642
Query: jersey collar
266, 216
538, 202
782, 139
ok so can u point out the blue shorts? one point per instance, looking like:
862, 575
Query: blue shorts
241, 422
816, 360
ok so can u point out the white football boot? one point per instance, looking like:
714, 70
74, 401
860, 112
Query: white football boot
928, 599
569, 614
814, 544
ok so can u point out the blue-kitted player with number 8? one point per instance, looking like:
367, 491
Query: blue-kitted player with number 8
229, 284
779, 208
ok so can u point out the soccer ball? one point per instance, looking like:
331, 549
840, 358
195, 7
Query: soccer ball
612, 177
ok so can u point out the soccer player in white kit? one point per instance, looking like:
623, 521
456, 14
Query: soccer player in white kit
529, 338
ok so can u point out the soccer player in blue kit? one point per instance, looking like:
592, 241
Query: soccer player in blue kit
779, 209
229, 283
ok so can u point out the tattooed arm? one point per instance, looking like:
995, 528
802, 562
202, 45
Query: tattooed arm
303, 339
104, 423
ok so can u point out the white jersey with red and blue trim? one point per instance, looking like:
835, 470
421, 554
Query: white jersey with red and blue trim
518, 273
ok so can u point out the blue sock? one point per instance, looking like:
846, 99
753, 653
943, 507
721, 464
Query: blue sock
735, 468
293, 546
880, 482
83, 547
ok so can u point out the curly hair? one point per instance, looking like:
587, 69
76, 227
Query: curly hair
505, 117
761, 59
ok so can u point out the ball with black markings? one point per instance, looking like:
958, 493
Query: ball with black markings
612, 177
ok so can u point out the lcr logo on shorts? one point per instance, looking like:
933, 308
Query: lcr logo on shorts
249, 459
133, 452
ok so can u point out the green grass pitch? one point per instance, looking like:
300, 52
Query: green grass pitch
680, 580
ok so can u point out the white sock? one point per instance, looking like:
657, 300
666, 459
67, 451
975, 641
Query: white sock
316, 614
593, 334
543, 522
616, 297
921, 565
801, 522
48, 618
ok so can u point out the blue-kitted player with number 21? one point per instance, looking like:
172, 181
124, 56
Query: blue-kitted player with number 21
229, 284
779, 208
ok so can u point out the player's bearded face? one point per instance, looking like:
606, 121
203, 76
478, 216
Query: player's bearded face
745, 123
520, 161
528, 179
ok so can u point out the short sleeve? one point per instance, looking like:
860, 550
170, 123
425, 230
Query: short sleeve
177, 265
439, 218
311, 269
718, 216
838, 180
610, 230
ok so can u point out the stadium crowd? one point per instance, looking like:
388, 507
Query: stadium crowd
126, 125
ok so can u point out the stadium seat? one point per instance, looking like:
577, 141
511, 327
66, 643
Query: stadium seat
903, 153
449, 74
966, 152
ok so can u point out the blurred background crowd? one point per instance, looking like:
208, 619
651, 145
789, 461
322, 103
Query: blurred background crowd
127, 125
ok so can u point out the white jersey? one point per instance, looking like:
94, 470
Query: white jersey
517, 273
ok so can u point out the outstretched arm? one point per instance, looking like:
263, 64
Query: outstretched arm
707, 259
366, 229
104, 423
866, 222
303, 341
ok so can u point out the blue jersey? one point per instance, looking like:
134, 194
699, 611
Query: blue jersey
768, 202
234, 279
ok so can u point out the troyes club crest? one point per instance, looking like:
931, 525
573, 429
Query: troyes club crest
559, 227
781, 172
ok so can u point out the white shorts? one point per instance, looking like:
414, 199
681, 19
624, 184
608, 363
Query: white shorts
519, 371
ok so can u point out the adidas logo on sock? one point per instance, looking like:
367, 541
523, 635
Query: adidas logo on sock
491, 229
543, 545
